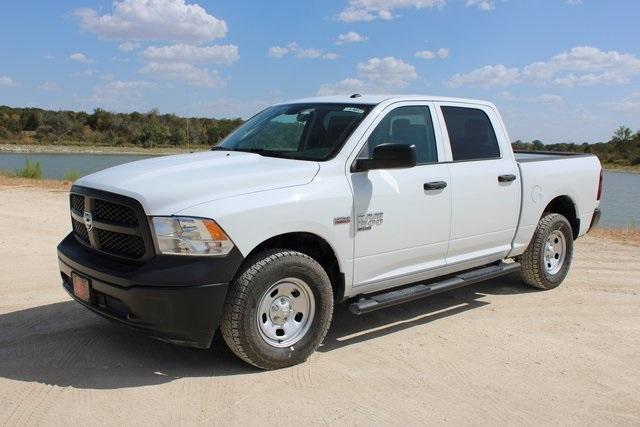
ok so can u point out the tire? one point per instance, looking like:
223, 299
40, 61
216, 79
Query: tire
278, 310
553, 238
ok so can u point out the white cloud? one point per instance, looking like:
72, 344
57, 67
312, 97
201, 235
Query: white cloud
425, 54
277, 51
184, 72
547, 99
6, 81
544, 99
153, 20
49, 57
629, 105
221, 54
227, 108
350, 37
121, 94
574, 2
299, 52
82, 58
482, 4
368, 10
377, 75
86, 73
129, 46
49, 86
580, 66
441, 53
487, 76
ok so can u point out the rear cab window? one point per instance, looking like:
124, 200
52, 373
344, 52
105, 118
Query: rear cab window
471, 134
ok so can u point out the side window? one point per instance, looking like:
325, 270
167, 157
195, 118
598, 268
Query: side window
470, 133
406, 125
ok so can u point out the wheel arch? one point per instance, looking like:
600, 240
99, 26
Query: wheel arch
309, 244
565, 206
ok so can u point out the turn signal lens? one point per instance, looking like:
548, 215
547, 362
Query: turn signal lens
190, 236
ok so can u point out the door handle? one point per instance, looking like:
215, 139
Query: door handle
435, 185
506, 178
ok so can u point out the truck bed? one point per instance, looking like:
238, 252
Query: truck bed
544, 174
539, 156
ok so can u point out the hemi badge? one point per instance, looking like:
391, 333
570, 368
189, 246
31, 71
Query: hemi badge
341, 220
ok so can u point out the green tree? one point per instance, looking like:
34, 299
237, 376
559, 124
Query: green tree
623, 133
30, 120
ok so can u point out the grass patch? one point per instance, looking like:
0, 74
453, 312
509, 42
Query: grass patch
72, 175
31, 170
7, 179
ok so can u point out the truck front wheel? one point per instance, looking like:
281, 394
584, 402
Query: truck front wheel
278, 310
546, 261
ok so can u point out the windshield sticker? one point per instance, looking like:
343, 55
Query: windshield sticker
353, 110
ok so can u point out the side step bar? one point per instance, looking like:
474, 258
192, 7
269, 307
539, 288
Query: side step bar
367, 304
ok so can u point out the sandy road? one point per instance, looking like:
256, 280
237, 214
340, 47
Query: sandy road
495, 353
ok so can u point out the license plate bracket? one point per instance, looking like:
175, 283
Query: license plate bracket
81, 287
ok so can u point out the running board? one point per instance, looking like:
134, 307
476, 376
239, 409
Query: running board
367, 304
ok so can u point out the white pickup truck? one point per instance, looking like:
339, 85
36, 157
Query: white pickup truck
369, 200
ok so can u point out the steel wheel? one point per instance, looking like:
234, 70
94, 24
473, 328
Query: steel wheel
555, 250
285, 312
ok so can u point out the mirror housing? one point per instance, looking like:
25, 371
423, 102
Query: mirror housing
388, 156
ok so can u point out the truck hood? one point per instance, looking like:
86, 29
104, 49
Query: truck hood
168, 184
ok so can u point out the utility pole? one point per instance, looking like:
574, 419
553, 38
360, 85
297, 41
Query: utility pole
187, 132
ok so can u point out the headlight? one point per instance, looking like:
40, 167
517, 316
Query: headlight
190, 236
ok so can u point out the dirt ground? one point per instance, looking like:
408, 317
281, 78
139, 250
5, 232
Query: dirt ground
495, 353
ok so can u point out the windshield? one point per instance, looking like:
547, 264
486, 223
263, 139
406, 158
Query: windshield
297, 131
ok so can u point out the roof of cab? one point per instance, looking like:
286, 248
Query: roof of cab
377, 99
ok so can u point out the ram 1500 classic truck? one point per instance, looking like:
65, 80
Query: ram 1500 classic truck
369, 200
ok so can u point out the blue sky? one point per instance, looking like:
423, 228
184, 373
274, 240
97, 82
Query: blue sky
559, 70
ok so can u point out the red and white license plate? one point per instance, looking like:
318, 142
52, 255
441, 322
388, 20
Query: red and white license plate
81, 287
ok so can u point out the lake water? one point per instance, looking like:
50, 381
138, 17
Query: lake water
55, 166
620, 200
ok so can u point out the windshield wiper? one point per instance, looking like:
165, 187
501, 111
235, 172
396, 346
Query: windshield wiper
267, 153
260, 151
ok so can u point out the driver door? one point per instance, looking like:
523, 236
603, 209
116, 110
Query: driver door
402, 222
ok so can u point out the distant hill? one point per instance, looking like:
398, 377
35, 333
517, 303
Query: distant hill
151, 129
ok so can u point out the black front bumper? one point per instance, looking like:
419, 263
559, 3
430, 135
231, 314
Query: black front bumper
173, 298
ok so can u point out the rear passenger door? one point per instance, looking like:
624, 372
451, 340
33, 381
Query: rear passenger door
485, 201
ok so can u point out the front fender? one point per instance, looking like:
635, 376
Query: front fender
251, 219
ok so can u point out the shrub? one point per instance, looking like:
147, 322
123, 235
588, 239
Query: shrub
72, 175
30, 170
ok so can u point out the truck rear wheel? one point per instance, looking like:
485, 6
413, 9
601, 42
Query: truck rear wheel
546, 261
278, 311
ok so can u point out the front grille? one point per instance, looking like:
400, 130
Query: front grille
113, 212
120, 243
109, 223
77, 202
80, 230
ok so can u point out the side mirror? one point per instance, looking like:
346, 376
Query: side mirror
388, 156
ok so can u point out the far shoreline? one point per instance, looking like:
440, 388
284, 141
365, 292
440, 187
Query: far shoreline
161, 151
